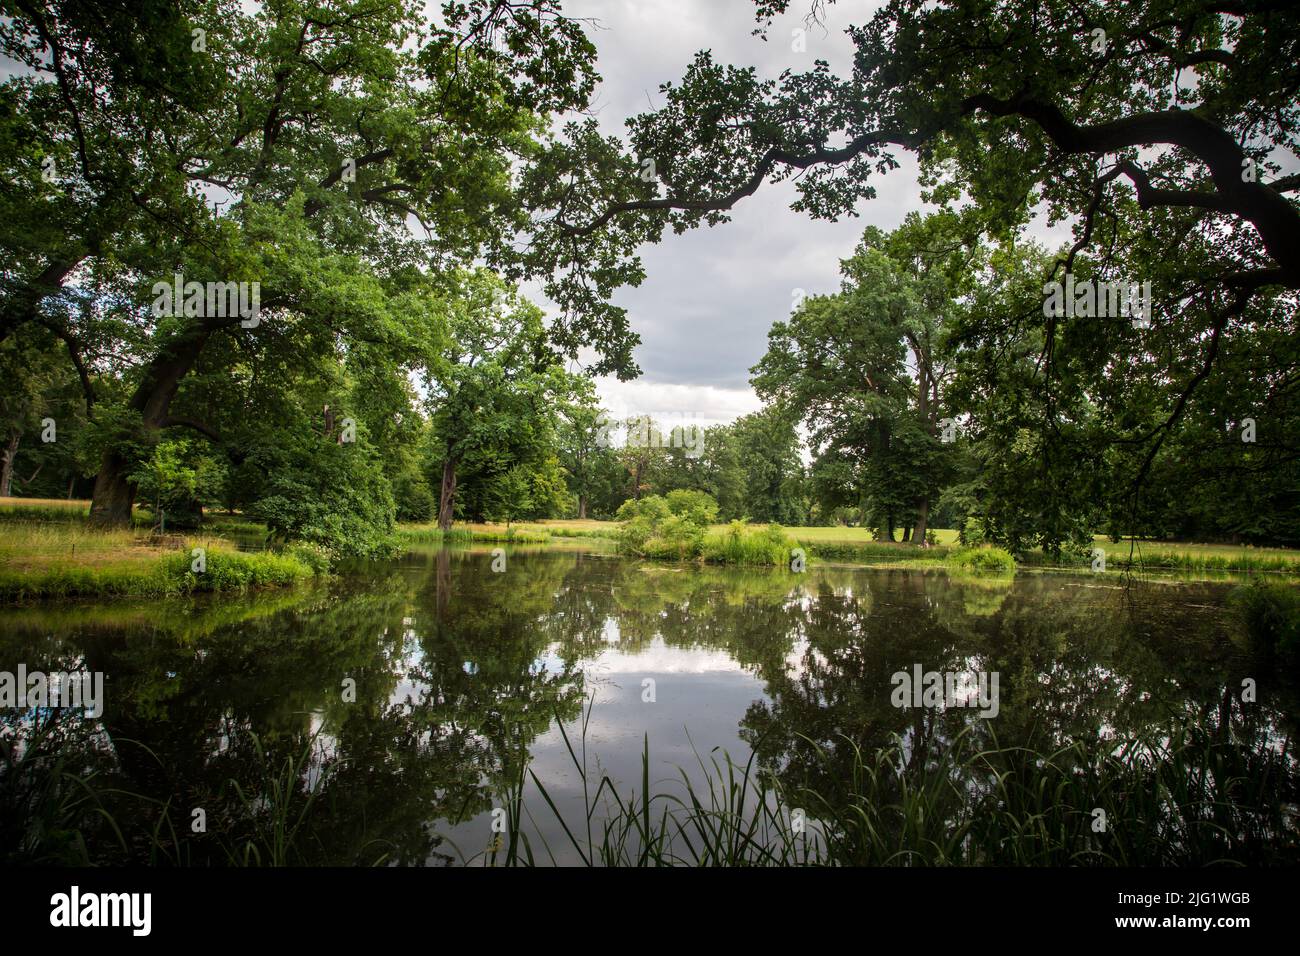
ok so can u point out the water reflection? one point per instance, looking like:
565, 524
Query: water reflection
399, 703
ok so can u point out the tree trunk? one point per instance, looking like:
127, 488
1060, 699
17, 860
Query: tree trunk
924, 380
7, 468
582, 507
114, 492
907, 534
447, 497
922, 515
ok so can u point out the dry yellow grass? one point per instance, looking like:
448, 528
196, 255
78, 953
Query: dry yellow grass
71, 503
574, 524
36, 546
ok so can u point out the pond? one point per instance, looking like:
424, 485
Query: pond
390, 714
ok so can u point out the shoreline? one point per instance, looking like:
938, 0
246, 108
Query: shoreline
46, 557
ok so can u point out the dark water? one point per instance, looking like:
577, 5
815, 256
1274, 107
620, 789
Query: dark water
461, 674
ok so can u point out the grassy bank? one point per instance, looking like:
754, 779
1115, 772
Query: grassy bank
981, 560
868, 552
75, 511
1149, 556
836, 544
858, 546
468, 534
61, 558
752, 547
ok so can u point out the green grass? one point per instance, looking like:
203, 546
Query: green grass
1200, 558
871, 552
573, 528
167, 575
232, 524
512, 534
858, 545
466, 534
835, 543
841, 535
55, 559
78, 510
743, 545
1196, 548
983, 559
432, 534
553, 531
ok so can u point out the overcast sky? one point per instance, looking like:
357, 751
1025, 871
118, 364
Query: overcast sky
711, 295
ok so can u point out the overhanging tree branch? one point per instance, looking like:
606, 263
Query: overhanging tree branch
1263, 205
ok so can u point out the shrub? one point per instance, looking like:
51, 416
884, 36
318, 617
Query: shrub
175, 480
680, 536
672, 527
677, 527
741, 544
331, 495
653, 508
639, 520
971, 533
696, 507
986, 558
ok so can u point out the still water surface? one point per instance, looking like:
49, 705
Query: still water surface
463, 675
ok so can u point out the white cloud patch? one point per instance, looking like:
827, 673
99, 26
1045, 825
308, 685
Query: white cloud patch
676, 403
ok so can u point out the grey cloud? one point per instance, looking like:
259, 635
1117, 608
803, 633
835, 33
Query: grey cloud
710, 296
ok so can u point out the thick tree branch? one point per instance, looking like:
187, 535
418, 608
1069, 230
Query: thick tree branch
1149, 195
378, 156
200, 427
1263, 205
1274, 218
770, 160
